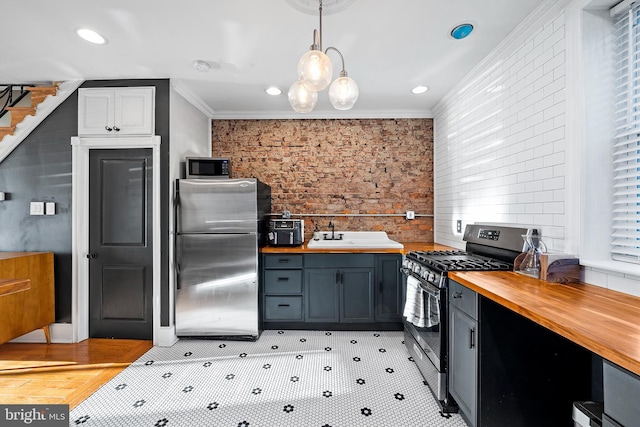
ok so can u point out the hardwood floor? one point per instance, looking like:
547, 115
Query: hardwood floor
63, 373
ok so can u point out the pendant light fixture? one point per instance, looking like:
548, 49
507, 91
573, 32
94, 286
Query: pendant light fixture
315, 72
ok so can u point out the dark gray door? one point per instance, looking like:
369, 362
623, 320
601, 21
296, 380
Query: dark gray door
120, 244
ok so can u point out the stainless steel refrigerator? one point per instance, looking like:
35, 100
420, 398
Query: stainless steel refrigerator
219, 227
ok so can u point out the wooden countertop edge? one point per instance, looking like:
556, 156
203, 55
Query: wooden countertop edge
12, 286
12, 255
537, 302
303, 249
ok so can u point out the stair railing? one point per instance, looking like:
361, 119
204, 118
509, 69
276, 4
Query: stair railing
7, 98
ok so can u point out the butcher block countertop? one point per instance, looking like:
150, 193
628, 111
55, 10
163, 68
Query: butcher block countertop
302, 249
603, 321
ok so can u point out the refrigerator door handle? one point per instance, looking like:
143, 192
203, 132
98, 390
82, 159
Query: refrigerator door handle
178, 276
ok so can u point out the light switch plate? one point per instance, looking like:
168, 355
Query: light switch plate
50, 208
410, 215
36, 208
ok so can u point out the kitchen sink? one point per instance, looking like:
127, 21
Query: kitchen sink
354, 240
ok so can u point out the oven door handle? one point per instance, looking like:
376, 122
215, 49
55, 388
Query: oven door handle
426, 287
429, 289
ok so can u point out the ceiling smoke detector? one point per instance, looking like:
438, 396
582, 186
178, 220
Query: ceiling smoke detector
202, 66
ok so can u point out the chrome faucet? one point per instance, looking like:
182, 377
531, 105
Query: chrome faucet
333, 230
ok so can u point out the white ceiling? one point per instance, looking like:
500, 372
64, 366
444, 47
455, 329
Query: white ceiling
388, 46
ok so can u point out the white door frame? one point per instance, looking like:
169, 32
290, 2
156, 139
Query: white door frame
80, 226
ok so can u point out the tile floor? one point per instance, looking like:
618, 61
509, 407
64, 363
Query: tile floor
285, 379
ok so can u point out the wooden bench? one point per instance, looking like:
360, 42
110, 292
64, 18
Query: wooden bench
26, 294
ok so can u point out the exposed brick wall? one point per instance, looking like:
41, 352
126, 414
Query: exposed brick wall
373, 166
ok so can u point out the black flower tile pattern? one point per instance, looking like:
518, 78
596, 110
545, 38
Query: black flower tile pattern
286, 379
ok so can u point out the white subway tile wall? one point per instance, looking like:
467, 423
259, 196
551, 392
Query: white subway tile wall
499, 140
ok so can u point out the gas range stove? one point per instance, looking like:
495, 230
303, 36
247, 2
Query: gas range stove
426, 311
488, 248
432, 266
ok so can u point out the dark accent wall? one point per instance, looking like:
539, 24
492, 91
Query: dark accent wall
39, 169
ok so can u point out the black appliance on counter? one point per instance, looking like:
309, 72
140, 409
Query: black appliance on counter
426, 312
286, 232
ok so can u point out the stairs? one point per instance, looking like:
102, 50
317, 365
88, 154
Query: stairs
38, 94
45, 100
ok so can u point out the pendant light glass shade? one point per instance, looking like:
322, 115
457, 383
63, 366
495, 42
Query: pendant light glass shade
343, 93
315, 70
302, 100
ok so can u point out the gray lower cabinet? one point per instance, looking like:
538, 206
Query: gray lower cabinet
282, 287
621, 391
506, 370
332, 289
339, 288
463, 356
321, 295
389, 294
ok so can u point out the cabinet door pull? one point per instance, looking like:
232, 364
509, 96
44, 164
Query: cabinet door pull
457, 295
117, 129
283, 279
472, 338
337, 277
283, 305
108, 128
283, 261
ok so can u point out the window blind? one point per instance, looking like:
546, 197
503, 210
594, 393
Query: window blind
625, 242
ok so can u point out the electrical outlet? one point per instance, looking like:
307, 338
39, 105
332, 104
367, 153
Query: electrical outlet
36, 208
410, 215
459, 226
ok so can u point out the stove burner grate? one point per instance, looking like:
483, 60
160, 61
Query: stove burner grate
457, 261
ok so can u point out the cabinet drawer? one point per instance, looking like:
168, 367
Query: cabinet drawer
463, 298
283, 308
282, 281
345, 260
283, 261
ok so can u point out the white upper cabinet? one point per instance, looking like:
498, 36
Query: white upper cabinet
116, 111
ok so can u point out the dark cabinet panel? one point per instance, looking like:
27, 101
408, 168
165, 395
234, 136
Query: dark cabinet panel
321, 295
282, 282
356, 300
463, 362
332, 290
283, 308
388, 298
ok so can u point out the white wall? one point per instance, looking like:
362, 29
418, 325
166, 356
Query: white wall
190, 136
506, 137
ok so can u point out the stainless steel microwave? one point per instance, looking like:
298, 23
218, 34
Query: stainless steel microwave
207, 167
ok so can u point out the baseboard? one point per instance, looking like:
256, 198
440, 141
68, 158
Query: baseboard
61, 333
166, 336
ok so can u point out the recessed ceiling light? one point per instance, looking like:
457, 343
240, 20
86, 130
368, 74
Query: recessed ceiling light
90, 36
202, 66
419, 89
461, 31
275, 91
